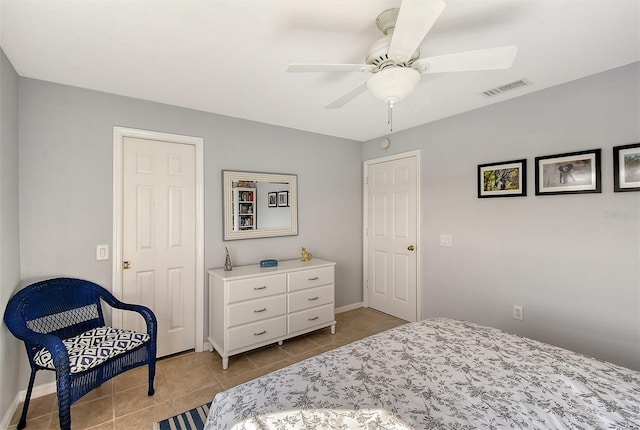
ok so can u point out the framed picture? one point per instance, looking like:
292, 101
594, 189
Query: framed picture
571, 173
283, 198
272, 199
626, 168
504, 179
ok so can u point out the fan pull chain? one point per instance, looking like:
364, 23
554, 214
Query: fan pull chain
390, 116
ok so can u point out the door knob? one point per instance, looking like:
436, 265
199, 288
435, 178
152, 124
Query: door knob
411, 247
126, 265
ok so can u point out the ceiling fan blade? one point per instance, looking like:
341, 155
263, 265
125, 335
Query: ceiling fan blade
415, 19
301, 68
338, 103
482, 59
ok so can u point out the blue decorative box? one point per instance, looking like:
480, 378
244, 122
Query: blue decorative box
268, 263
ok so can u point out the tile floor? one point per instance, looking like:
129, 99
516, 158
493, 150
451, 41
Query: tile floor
191, 379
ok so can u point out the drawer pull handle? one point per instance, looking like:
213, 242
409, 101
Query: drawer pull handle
313, 319
264, 287
260, 310
260, 334
313, 298
315, 278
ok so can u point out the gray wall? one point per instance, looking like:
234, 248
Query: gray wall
66, 140
9, 228
572, 261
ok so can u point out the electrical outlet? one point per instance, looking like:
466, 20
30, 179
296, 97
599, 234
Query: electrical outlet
518, 312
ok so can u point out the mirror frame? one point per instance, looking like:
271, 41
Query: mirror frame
230, 176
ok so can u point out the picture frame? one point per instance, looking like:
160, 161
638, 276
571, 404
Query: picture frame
272, 199
283, 198
626, 168
569, 173
502, 179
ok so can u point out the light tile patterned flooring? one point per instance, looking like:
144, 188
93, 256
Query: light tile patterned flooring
191, 379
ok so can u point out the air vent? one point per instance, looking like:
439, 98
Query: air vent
506, 87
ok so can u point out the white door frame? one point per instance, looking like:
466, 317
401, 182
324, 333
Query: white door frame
365, 222
119, 133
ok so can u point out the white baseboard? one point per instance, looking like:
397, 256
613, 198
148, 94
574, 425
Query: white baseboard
38, 391
349, 307
7, 417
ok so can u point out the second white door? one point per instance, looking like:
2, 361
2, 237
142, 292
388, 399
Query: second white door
159, 238
392, 226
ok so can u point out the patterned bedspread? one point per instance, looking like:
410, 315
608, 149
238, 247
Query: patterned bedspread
437, 374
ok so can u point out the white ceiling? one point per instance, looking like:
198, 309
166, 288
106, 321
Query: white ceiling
230, 56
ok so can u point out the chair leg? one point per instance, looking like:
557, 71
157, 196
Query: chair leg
152, 374
63, 383
23, 418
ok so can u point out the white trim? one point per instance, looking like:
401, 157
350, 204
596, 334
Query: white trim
365, 219
119, 133
348, 308
4, 424
38, 391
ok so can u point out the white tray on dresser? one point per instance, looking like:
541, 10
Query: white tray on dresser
251, 306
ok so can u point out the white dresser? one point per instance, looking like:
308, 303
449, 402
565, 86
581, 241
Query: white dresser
251, 306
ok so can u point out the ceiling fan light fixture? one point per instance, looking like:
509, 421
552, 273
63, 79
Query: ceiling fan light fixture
393, 84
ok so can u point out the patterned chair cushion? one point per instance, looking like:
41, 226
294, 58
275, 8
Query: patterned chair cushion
94, 347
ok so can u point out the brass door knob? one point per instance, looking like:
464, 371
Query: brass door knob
126, 265
411, 247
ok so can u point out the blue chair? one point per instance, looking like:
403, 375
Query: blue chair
61, 323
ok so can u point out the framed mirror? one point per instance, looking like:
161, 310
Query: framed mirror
259, 205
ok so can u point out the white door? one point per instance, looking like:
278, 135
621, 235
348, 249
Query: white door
392, 236
159, 238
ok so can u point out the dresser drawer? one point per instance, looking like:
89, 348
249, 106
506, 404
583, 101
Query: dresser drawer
310, 298
255, 310
253, 288
311, 317
310, 278
250, 334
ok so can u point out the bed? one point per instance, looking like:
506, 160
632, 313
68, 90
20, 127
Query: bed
437, 374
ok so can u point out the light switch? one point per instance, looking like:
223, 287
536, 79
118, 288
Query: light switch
445, 240
102, 252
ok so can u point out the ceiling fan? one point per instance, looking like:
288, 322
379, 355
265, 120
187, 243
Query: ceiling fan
395, 62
